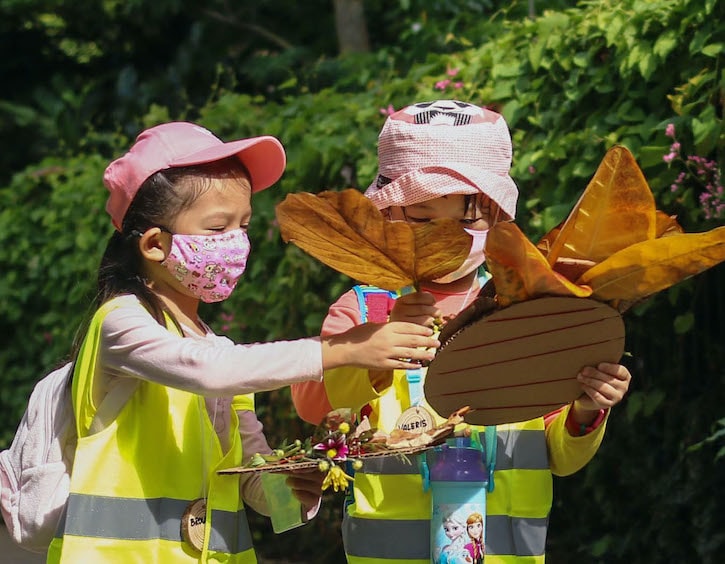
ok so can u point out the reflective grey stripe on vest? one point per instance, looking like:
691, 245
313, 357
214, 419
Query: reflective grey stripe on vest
391, 465
149, 519
522, 449
410, 540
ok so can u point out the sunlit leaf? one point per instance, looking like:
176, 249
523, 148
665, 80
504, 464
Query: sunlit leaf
616, 210
520, 271
345, 231
651, 266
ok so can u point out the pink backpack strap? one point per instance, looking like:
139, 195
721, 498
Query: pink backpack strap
375, 304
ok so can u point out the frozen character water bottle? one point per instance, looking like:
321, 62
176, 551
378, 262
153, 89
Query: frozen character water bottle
457, 476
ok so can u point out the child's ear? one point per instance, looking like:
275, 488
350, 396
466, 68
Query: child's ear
154, 244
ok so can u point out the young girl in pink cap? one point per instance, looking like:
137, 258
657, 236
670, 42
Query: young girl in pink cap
449, 159
161, 403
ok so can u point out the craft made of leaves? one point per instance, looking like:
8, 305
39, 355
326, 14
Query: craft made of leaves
345, 231
617, 243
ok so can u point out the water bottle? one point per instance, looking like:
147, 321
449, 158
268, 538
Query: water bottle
457, 476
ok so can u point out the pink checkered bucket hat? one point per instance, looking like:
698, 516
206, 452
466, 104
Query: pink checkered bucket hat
433, 149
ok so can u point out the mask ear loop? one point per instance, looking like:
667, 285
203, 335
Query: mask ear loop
137, 233
495, 218
498, 214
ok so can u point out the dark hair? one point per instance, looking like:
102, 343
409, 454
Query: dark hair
157, 203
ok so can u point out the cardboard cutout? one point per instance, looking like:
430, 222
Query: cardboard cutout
521, 362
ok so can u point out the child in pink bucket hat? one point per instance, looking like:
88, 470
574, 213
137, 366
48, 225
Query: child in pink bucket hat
448, 158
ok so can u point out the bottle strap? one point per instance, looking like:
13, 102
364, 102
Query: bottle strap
491, 444
414, 377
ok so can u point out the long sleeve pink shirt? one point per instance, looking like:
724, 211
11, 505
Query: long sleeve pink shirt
135, 345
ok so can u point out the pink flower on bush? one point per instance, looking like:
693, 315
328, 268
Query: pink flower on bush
452, 72
703, 172
390, 110
273, 225
442, 84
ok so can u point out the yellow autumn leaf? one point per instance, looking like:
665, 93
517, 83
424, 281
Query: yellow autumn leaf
345, 231
520, 271
648, 267
616, 210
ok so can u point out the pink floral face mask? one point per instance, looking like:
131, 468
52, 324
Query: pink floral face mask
209, 265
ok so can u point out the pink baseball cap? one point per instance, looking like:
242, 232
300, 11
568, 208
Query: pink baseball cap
178, 144
434, 149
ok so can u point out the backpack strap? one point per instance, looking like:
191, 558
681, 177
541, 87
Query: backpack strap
374, 303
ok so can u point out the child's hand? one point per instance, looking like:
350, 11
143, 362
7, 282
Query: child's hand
418, 307
380, 346
604, 386
306, 486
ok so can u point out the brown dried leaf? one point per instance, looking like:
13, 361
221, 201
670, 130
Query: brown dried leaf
546, 243
345, 231
616, 210
572, 269
405, 439
520, 272
441, 246
667, 225
651, 266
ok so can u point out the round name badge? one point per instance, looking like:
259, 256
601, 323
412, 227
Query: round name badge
416, 420
193, 523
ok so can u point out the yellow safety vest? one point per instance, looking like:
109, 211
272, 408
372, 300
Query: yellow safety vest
388, 519
132, 481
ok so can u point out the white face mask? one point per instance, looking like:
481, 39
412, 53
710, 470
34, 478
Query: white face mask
476, 257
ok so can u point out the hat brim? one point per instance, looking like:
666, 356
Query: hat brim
263, 157
432, 182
